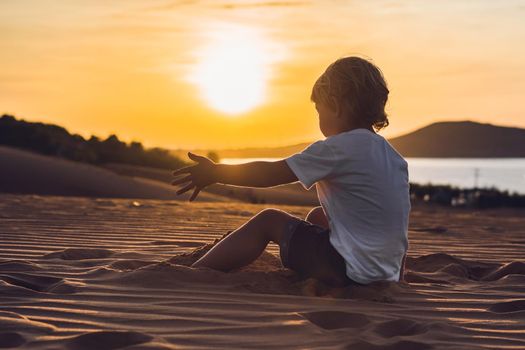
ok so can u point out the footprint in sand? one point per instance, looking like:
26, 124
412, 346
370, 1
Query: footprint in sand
107, 340
512, 268
451, 265
336, 319
509, 306
431, 262
456, 270
46, 284
400, 327
11, 340
18, 265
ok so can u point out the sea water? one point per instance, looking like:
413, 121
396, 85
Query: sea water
501, 173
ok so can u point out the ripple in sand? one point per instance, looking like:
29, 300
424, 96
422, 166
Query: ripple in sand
336, 319
188, 244
413, 277
400, 327
160, 242
129, 264
430, 229
398, 345
107, 340
11, 321
80, 254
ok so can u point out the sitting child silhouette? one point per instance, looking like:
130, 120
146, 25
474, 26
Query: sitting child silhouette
359, 233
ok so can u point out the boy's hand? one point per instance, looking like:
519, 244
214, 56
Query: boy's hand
199, 175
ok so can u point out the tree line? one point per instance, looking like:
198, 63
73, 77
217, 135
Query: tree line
55, 140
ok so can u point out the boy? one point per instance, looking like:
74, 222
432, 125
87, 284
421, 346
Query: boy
359, 234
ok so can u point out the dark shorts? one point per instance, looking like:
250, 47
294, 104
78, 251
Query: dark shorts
307, 250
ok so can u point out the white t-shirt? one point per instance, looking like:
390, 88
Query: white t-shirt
362, 185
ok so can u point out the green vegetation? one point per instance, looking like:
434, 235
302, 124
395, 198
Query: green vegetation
481, 198
213, 156
54, 140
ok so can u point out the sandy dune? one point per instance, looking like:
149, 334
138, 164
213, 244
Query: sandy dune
80, 273
27, 172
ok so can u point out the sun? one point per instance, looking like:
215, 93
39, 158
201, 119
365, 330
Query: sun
233, 69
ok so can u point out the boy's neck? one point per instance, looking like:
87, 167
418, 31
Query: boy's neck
354, 127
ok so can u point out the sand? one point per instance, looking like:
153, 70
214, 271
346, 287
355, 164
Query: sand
87, 273
32, 173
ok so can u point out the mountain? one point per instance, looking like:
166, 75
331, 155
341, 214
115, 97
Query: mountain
252, 152
463, 139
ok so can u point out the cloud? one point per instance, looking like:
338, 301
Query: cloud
171, 5
262, 4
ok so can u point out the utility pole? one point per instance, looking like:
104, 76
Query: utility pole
476, 177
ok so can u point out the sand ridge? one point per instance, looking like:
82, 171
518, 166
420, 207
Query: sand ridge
33, 173
81, 273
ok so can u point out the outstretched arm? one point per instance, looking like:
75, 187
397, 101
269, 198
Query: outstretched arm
253, 174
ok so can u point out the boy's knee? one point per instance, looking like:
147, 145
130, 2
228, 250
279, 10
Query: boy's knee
276, 221
272, 215
316, 216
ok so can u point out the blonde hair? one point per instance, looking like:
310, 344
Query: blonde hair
357, 84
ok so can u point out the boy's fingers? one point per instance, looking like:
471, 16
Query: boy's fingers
194, 157
194, 194
181, 171
180, 181
185, 189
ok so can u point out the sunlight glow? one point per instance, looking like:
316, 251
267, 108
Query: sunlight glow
233, 69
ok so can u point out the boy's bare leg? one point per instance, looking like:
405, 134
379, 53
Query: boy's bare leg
245, 244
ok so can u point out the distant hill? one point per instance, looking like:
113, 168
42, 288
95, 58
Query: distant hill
54, 140
464, 139
254, 152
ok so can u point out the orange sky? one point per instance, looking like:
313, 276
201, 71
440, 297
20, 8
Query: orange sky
160, 71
